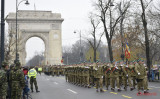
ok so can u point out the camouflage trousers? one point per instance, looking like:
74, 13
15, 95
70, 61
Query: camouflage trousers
99, 83
114, 81
107, 81
141, 83
2, 97
33, 80
16, 94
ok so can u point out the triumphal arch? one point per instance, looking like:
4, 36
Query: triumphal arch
43, 24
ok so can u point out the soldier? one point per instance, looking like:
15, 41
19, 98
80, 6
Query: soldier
86, 77
91, 76
66, 73
32, 73
115, 77
120, 67
130, 75
146, 78
3, 80
141, 73
17, 81
99, 77
107, 72
125, 70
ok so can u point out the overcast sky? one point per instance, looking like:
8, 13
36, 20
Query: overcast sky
74, 12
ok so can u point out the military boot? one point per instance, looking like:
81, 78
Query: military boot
101, 90
119, 89
131, 89
37, 91
146, 92
112, 89
97, 90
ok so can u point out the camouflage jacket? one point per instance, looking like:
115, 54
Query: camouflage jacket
3, 83
140, 71
17, 79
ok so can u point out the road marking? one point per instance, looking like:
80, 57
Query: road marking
126, 96
105, 90
154, 87
47, 79
55, 83
94, 87
72, 91
114, 93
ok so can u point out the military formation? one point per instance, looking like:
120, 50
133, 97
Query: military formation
117, 74
54, 70
113, 75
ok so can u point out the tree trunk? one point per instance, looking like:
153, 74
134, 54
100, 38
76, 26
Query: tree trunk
110, 51
146, 35
95, 55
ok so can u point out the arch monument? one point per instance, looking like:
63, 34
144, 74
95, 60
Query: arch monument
43, 24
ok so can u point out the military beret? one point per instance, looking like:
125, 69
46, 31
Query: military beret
138, 60
97, 61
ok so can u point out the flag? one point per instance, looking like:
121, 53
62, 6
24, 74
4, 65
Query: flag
127, 51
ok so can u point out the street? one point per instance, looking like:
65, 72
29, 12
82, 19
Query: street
57, 88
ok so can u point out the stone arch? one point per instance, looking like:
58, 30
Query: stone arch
43, 24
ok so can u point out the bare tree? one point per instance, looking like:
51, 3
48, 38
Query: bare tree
143, 16
93, 42
103, 6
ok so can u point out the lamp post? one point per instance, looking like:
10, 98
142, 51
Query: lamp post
17, 4
2, 31
81, 54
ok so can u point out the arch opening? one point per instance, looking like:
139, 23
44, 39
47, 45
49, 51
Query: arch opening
35, 51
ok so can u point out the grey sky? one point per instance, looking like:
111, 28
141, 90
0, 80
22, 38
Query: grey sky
74, 12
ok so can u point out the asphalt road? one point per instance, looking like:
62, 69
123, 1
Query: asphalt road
57, 88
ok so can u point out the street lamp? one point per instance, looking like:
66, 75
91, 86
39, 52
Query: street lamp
17, 4
81, 54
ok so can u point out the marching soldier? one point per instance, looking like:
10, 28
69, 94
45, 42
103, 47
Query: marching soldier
99, 77
141, 73
107, 72
120, 67
127, 76
115, 77
134, 74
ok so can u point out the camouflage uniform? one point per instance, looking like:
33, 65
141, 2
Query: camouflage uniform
17, 82
107, 72
115, 78
99, 77
140, 75
3, 84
